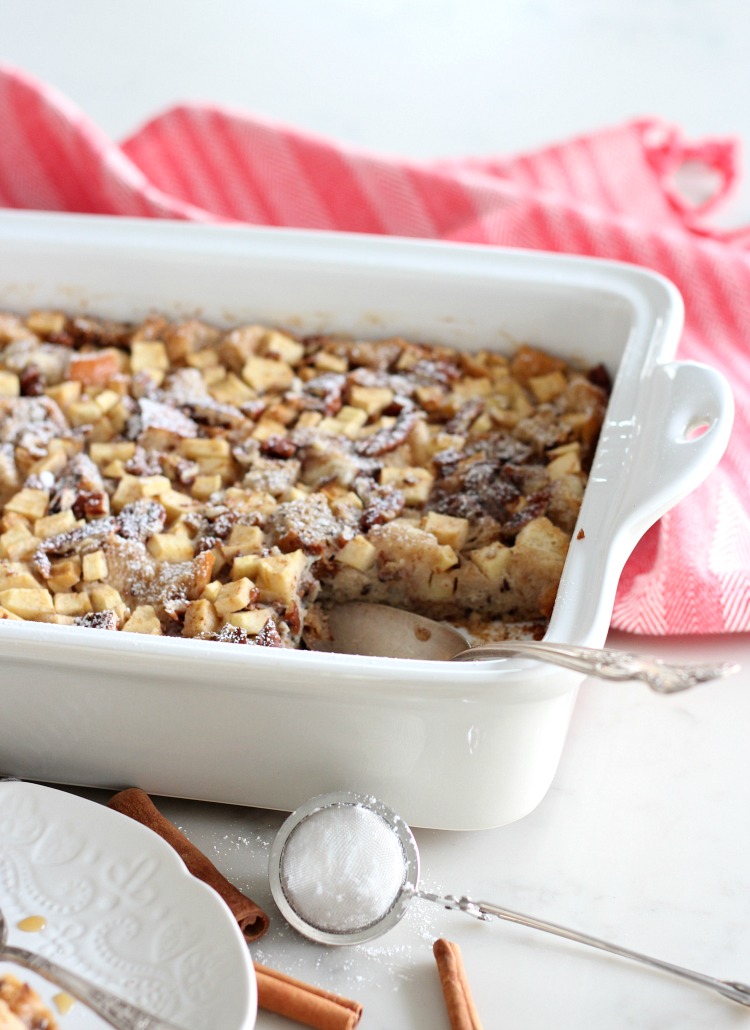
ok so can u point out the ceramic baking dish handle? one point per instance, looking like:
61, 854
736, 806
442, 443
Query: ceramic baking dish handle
687, 435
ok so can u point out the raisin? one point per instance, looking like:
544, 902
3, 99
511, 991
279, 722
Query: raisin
293, 618
32, 381
279, 447
599, 376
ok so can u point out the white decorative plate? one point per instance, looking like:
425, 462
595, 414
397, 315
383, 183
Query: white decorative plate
121, 909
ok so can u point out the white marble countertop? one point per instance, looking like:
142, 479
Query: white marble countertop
644, 837
643, 840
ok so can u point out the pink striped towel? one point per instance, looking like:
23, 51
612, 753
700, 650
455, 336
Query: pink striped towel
610, 194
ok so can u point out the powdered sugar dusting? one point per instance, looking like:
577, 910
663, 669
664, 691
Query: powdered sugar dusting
240, 848
354, 463
156, 415
342, 868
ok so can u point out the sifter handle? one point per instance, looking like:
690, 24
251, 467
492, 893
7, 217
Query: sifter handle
731, 989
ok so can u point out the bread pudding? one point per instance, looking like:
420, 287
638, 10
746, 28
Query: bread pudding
176, 478
21, 1008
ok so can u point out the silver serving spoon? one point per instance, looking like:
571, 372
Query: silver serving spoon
344, 868
380, 631
118, 1013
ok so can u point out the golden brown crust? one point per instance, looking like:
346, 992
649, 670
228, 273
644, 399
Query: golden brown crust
21, 1008
175, 478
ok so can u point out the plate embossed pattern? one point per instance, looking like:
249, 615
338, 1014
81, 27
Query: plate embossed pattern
121, 909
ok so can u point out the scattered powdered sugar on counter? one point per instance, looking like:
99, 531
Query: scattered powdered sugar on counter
390, 961
241, 851
238, 854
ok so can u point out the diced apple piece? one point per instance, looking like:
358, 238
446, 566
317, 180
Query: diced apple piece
106, 400
565, 464
529, 362
170, 547
29, 502
278, 576
83, 413
94, 566
53, 525
359, 553
27, 603
350, 420
231, 390
243, 540
135, 488
15, 574
176, 503
252, 622
148, 356
268, 427
120, 450
239, 344
266, 374
245, 565
104, 598
205, 485
65, 573
46, 323
211, 590
143, 620
326, 362
415, 483
282, 346
10, 384
492, 560
72, 604
200, 618
447, 529
546, 387
66, 393
372, 399
234, 596
198, 447
18, 543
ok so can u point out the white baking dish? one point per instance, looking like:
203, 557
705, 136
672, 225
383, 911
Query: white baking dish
448, 746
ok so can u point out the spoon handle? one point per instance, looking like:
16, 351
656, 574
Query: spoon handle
118, 1013
731, 989
606, 663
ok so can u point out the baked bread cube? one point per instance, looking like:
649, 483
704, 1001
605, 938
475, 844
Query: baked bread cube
183, 479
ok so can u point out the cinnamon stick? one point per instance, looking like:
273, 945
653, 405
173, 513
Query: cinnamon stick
456, 991
252, 920
304, 1003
